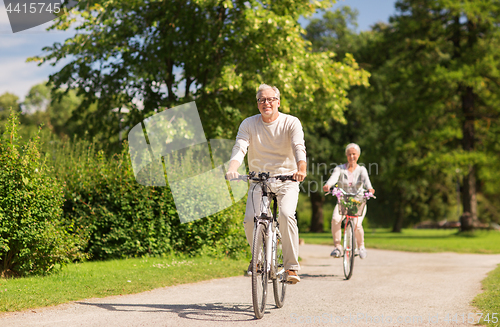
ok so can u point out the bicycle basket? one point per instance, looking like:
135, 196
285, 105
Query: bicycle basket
351, 205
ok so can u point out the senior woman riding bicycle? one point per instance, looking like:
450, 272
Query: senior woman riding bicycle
349, 173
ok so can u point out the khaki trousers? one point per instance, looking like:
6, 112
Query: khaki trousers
287, 194
336, 226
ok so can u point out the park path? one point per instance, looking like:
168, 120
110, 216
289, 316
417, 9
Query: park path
388, 288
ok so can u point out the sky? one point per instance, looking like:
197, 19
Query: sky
18, 76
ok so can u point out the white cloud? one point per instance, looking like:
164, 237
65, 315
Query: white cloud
10, 41
4, 20
17, 76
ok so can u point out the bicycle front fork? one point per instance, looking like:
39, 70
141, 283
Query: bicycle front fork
270, 243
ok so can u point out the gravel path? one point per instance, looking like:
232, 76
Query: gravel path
388, 288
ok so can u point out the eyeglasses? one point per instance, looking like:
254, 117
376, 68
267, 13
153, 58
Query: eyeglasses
263, 100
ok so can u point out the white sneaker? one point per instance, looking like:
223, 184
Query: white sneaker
362, 253
336, 253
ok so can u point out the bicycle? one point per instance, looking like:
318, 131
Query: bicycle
350, 205
267, 255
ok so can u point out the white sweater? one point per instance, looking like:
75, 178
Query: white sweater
274, 147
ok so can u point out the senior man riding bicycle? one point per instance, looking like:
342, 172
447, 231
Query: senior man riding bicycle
275, 144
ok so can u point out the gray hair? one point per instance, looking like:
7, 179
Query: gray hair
353, 145
263, 87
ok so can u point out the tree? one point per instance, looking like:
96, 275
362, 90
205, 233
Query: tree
334, 31
8, 101
53, 109
37, 99
35, 111
61, 113
447, 76
327, 138
216, 52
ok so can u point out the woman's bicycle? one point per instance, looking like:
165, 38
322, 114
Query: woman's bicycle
267, 255
351, 203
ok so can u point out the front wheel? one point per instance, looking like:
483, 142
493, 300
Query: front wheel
349, 248
259, 273
279, 284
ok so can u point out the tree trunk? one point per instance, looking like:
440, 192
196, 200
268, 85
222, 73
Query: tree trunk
317, 212
469, 188
466, 222
398, 223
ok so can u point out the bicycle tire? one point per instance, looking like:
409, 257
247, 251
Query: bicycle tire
259, 273
279, 283
349, 249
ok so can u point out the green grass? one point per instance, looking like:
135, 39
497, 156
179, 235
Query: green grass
421, 240
488, 302
116, 277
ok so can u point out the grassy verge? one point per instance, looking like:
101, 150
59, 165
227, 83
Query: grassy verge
421, 240
116, 277
488, 302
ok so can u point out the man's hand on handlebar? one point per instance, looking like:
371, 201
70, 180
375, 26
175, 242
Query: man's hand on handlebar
232, 170
232, 175
299, 176
301, 173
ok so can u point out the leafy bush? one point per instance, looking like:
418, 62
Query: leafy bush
122, 218
32, 239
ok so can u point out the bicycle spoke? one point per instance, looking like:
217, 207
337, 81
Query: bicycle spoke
279, 283
259, 273
349, 248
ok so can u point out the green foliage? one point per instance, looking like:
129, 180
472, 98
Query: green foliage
335, 31
217, 52
32, 240
431, 113
326, 138
125, 219
8, 101
37, 99
439, 83
56, 111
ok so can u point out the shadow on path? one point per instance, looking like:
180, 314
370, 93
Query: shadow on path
205, 311
307, 276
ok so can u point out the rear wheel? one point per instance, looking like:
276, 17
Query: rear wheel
259, 274
279, 284
349, 248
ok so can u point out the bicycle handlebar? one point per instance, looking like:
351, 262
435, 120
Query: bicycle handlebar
263, 177
360, 190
